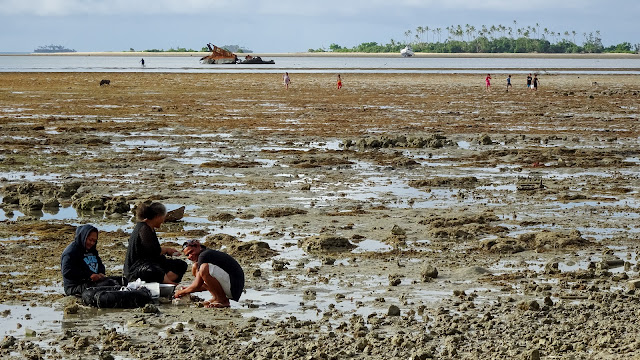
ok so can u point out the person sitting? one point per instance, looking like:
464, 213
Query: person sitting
145, 257
81, 265
215, 271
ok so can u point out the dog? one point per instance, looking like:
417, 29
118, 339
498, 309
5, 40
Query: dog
105, 82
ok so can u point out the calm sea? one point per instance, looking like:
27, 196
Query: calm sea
191, 64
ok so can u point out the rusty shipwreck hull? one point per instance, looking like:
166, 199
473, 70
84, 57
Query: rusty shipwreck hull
219, 56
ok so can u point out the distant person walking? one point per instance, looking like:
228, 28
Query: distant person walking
488, 82
508, 82
339, 82
535, 82
529, 79
287, 80
142, 62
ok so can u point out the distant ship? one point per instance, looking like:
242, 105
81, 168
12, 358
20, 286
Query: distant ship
406, 52
52, 49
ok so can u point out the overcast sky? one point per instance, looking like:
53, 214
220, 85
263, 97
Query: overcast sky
289, 25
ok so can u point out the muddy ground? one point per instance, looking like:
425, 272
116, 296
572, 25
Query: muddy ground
404, 216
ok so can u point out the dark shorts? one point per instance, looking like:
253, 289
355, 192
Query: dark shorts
154, 272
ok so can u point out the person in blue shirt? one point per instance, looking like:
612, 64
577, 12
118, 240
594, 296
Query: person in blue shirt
81, 265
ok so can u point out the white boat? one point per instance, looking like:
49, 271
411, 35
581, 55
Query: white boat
406, 52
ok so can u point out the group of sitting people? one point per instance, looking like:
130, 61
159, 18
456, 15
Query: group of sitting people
214, 271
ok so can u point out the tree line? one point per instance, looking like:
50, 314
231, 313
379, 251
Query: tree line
232, 48
491, 39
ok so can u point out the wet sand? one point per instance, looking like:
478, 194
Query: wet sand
349, 199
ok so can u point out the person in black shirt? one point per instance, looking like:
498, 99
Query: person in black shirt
535, 82
145, 257
214, 271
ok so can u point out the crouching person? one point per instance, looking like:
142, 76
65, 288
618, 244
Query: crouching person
214, 271
81, 265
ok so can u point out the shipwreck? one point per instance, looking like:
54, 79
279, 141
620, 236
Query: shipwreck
219, 56
223, 56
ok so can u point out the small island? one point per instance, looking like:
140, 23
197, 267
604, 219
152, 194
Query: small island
53, 49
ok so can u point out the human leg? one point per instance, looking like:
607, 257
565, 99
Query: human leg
173, 270
218, 295
75, 290
148, 272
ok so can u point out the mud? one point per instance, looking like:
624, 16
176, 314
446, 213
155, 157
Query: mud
380, 221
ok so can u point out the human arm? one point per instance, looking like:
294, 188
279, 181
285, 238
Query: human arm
196, 285
149, 244
165, 250
74, 268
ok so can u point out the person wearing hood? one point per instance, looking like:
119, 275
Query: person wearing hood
81, 265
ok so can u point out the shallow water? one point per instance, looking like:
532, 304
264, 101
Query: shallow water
191, 64
35, 318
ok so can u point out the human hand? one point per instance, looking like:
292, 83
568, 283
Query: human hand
96, 277
179, 293
170, 251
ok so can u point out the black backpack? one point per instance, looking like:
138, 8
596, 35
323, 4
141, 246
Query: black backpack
116, 297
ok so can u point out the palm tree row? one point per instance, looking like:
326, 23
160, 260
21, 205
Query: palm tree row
457, 32
492, 39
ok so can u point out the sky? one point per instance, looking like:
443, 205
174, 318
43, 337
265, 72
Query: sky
274, 26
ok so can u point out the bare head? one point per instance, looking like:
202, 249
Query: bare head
153, 213
192, 249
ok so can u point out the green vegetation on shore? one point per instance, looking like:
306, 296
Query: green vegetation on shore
232, 48
491, 39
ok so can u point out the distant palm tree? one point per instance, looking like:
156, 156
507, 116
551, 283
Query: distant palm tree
419, 32
460, 32
503, 29
493, 29
407, 35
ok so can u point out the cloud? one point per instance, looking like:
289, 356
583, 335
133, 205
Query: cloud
111, 7
272, 7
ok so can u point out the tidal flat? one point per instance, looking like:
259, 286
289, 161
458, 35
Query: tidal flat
404, 216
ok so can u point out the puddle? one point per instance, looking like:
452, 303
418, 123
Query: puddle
372, 246
37, 318
28, 176
581, 261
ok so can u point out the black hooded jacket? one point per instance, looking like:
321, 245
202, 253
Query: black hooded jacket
75, 270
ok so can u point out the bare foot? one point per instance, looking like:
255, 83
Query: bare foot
214, 304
